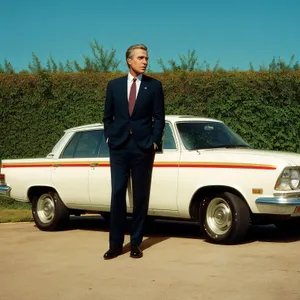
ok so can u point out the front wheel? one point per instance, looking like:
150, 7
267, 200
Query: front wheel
49, 212
224, 218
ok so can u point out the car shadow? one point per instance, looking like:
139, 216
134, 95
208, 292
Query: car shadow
160, 230
271, 234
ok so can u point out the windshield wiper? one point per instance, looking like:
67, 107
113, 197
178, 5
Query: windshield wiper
232, 146
221, 146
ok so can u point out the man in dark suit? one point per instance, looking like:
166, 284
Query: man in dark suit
134, 120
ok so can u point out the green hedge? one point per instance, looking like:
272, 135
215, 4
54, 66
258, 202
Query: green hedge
11, 204
264, 107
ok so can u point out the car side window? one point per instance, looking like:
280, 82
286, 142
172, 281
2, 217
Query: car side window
71, 147
84, 144
168, 140
104, 150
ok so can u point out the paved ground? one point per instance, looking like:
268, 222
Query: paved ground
177, 264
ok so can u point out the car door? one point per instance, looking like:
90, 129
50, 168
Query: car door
99, 177
163, 196
70, 174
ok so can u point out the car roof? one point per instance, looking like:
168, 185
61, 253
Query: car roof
169, 118
180, 118
85, 127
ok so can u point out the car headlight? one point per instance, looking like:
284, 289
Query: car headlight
288, 180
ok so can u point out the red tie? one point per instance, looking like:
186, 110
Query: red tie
132, 96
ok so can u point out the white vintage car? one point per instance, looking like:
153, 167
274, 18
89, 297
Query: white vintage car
205, 173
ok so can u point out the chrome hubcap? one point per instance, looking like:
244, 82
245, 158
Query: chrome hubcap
219, 216
45, 208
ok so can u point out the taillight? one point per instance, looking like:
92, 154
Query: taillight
2, 178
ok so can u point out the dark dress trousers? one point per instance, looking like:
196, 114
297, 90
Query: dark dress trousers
130, 140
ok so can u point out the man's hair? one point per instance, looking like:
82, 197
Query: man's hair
129, 52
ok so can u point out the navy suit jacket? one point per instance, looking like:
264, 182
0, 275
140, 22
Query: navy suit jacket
147, 120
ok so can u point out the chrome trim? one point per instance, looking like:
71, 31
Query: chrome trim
283, 194
278, 201
5, 190
296, 190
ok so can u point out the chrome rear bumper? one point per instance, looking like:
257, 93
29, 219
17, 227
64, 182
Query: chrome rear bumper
5, 190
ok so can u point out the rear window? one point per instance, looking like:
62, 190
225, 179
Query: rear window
84, 144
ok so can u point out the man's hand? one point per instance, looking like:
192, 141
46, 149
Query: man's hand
155, 146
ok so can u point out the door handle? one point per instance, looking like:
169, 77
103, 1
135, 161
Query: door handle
93, 165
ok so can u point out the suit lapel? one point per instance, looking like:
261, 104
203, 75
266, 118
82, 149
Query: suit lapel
125, 86
124, 91
142, 90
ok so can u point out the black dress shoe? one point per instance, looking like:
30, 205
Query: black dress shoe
136, 252
112, 253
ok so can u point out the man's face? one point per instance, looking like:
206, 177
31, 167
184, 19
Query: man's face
138, 62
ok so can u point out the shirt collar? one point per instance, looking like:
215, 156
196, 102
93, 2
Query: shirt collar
130, 77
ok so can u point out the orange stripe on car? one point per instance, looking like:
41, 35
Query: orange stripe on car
156, 164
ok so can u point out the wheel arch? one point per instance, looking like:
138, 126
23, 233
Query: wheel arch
209, 191
35, 191
48, 210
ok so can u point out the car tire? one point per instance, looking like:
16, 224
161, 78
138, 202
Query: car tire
49, 212
224, 218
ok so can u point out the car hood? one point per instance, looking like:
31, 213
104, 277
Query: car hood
278, 158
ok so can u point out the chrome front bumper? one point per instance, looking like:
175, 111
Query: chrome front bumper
278, 201
5, 190
279, 205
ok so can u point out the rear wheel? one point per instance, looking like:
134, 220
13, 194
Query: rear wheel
224, 218
49, 212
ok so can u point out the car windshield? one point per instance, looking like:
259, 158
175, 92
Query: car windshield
207, 135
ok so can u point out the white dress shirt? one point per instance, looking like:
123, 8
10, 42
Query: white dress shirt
130, 81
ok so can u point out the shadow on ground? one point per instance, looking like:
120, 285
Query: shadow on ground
160, 230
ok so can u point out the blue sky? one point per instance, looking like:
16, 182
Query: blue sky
236, 32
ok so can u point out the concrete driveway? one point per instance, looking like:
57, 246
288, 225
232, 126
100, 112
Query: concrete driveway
177, 264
